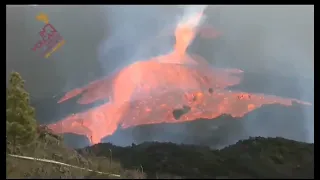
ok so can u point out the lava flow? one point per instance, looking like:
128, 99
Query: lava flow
172, 88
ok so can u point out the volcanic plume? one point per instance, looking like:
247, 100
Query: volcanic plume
172, 88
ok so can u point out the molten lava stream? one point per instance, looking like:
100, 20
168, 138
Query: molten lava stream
196, 105
95, 123
160, 108
135, 82
148, 75
96, 90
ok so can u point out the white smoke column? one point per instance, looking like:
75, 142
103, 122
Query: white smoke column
189, 11
190, 16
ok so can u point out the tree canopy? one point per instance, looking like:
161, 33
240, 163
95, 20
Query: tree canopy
20, 116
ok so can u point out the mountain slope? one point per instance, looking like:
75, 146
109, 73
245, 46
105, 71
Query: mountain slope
253, 158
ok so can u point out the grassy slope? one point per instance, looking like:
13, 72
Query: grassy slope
49, 146
253, 158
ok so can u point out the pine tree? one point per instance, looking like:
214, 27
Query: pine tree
21, 123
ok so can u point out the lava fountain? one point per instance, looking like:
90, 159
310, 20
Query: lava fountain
172, 88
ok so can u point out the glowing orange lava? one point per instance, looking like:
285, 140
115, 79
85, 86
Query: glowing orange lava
149, 92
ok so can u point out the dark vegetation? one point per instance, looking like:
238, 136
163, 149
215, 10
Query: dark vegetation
252, 158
